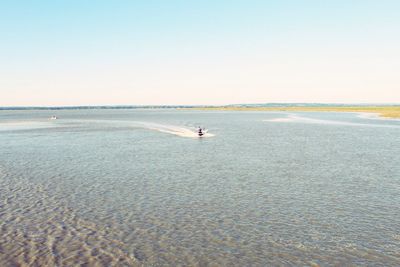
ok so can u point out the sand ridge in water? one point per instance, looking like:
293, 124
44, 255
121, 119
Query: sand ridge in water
374, 116
293, 118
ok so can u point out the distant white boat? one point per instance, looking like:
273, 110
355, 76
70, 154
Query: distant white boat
53, 118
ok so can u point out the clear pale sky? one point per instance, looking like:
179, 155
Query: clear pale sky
82, 52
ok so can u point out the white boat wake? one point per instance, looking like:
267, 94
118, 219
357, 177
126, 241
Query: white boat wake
25, 125
171, 129
164, 128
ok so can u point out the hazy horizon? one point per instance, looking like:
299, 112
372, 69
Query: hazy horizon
100, 53
200, 105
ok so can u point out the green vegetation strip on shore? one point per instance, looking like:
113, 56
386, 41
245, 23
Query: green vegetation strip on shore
383, 111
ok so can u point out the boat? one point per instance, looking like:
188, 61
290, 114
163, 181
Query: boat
200, 132
53, 118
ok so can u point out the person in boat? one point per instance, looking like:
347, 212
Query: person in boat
200, 131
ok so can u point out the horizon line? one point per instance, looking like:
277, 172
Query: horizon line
132, 106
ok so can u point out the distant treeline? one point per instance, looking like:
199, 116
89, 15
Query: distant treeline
198, 106
94, 107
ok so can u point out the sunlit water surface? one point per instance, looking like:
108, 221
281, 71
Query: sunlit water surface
138, 188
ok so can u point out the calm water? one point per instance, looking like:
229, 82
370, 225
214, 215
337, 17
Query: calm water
136, 188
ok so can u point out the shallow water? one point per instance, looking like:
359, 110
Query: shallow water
137, 188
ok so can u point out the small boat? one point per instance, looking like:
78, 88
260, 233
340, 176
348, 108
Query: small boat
53, 118
200, 132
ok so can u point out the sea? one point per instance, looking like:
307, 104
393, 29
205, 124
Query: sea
138, 187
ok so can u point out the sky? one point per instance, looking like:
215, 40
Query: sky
96, 52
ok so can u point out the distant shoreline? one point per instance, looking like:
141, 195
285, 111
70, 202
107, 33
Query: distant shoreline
385, 111
382, 110
91, 107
